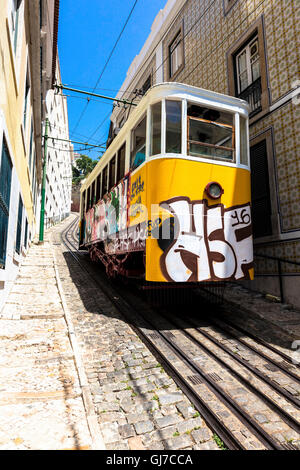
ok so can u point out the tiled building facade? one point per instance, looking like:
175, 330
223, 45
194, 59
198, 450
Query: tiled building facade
249, 49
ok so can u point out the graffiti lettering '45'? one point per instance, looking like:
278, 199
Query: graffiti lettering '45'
210, 242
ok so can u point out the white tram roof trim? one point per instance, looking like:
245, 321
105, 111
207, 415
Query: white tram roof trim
160, 91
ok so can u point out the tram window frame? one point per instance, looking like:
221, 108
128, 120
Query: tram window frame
168, 129
92, 193
156, 139
136, 148
244, 141
104, 188
121, 155
83, 203
88, 200
98, 187
213, 122
112, 171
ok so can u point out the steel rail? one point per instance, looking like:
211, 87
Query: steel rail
213, 421
221, 325
293, 423
260, 341
228, 438
256, 372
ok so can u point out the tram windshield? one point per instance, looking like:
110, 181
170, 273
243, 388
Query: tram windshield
210, 133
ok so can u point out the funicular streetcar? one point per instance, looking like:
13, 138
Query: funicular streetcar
169, 201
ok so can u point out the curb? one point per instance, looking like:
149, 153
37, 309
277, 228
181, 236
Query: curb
97, 440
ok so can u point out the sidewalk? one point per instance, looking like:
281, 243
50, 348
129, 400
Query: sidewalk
259, 307
43, 393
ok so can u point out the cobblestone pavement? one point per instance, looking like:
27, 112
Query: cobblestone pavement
73, 374
41, 391
138, 405
281, 318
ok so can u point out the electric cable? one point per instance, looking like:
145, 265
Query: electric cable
105, 65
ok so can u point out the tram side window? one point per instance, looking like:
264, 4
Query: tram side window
104, 181
83, 203
243, 141
121, 163
88, 200
210, 133
112, 172
98, 187
155, 140
92, 193
173, 126
138, 144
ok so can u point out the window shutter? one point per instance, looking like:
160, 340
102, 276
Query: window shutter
5, 186
260, 190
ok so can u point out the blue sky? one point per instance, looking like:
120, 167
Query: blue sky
87, 33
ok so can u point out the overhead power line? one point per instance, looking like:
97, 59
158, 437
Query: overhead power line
105, 65
89, 93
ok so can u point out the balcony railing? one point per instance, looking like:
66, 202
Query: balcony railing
252, 94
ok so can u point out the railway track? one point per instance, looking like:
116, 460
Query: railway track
236, 396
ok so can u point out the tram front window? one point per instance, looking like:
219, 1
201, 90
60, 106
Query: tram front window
210, 133
173, 126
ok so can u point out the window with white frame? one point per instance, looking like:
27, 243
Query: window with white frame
247, 65
248, 74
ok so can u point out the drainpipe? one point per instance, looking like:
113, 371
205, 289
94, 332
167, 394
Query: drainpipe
41, 238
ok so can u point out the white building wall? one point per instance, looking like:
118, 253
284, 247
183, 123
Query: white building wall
13, 259
59, 160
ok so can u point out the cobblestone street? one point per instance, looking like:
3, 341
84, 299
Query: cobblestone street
74, 375
49, 398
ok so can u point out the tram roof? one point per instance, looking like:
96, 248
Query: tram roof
162, 91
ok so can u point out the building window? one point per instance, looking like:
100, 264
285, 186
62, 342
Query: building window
26, 234
19, 226
30, 148
175, 55
248, 78
247, 70
5, 188
260, 190
15, 11
146, 85
27, 90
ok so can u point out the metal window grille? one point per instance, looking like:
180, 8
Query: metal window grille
5, 189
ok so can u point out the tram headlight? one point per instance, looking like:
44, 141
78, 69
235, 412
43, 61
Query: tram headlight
214, 190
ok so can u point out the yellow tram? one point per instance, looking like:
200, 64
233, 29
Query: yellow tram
169, 201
